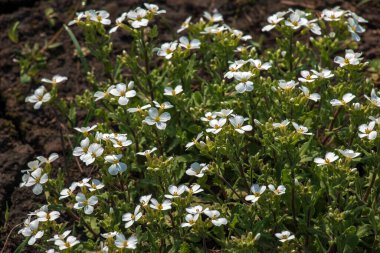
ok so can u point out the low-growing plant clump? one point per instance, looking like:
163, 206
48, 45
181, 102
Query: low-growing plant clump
209, 143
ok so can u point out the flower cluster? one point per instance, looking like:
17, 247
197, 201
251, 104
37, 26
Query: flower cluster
209, 141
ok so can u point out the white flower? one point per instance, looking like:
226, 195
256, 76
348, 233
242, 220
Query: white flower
144, 200
82, 150
273, 21
237, 122
375, 100
214, 215
367, 131
163, 106
117, 166
279, 190
324, 73
350, 58
147, 152
190, 220
194, 189
354, 28
138, 108
287, 86
123, 243
307, 77
94, 150
46, 216
132, 218
33, 165
259, 65
32, 231
87, 204
37, 179
214, 17
109, 235
85, 130
224, 113
154, 9
175, 192
95, 185
314, 27
55, 80
284, 236
197, 169
301, 129
330, 157
185, 43
194, 141
137, 18
295, 21
165, 205
120, 141
101, 17
169, 91
184, 25
257, 190
67, 192
52, 158
348, 153
100, 94
244, 83
121, 91
84, 183
209, 116
282, 124
216, 125
70, 242
60, 236
332, 15
233, 68
345, 100
119, 22
314, 96
195, 209
77, 19
167, 49
155, 118
39, 97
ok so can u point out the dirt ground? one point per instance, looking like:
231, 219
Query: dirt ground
26, 133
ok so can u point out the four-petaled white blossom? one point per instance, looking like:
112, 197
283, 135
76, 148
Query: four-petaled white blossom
257, 190
37, 178
284, 236
330, 157
165, 205
55, 80
169, 91
131, 218
348, 153
366, 131
86, 203
214, 216
122, 243
190, 220
345, 100
216, 125
124, 92
117, 166
313, 96
155, 118
167, 49
186, 44
39, 97
175, 192
237, 122
244, 83
279, 190
350, 58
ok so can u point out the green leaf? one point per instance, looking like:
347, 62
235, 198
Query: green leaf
78, 48
13, 33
